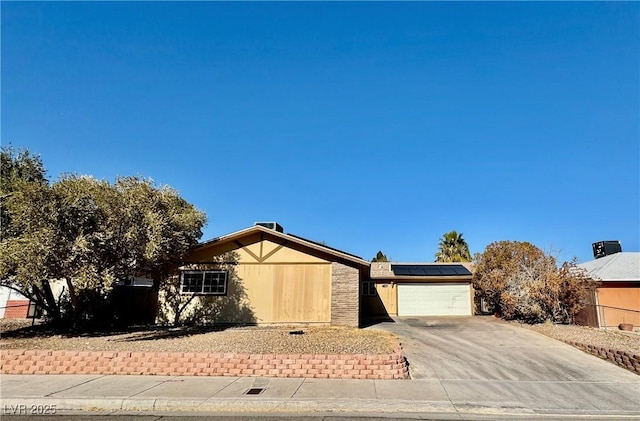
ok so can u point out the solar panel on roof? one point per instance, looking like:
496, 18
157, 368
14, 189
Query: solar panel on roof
448, 270
430, 270
462, 270
400, 270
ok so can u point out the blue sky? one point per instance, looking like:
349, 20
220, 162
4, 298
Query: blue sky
369, 126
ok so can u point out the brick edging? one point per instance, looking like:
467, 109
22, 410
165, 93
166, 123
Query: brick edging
332, 366
622, 358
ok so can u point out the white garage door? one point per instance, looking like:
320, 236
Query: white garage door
434, 300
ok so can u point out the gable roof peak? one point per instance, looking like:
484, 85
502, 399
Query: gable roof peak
260, 228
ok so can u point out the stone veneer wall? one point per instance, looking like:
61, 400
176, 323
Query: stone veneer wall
345, 295
339, 366
381, 269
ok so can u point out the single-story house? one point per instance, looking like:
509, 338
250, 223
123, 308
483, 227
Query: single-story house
419, 289
262, 275
617, 299
282, 278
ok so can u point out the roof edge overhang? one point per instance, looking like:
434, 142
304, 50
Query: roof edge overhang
291, 238
429, 263
620, 280
422, 278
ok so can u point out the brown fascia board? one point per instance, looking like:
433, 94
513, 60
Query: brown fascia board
422, 278
468, 265
289, 238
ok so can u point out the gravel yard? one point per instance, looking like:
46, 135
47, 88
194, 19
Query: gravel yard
16, 334
610, 338
251, 340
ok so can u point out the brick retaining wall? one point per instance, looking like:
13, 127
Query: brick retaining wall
343, 366
624, 359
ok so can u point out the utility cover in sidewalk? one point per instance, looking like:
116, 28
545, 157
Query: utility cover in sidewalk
255, 391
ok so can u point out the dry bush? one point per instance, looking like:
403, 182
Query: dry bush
522, 282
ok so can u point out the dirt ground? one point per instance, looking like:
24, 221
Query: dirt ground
18, 334
251, 340
610, 338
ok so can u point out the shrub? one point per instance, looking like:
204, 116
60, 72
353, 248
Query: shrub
522, 282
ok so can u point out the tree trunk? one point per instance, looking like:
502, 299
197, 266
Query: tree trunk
74, 301
181, 308
52, 307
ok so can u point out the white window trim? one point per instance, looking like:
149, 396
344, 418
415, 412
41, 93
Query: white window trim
204, 272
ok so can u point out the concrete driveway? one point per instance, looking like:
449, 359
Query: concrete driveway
482, 360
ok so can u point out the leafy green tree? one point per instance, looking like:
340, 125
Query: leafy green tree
453, 248
90, 233
20, 171
523, 282
17, 167
380, 257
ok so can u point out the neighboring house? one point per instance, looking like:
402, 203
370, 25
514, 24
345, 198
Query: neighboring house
284, 278
419, 289
617, 299
134, 301
13, 305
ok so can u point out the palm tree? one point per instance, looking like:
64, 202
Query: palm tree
380, 257
453, 248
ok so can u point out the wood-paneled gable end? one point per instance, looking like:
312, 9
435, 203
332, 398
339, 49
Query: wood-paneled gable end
270, 250
262, 245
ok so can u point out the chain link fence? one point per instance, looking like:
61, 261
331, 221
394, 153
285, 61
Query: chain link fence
607, 317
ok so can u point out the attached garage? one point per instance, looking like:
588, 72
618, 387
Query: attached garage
425, 299
418, 289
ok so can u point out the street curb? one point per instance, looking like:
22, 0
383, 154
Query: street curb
236, 405
357, 407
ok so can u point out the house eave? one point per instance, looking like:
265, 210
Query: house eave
621, 280
421, 278
290, 238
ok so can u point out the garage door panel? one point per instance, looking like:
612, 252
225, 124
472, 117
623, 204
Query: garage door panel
434, 300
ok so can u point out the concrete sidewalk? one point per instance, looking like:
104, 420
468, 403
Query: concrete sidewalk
439, 399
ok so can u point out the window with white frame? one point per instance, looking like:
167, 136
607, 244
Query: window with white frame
206, 282
368, 288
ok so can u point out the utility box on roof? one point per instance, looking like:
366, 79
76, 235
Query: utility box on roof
271, 225
605, 248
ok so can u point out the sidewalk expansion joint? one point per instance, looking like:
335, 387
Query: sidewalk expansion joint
75, 385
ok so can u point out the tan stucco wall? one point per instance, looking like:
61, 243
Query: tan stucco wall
625, 298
